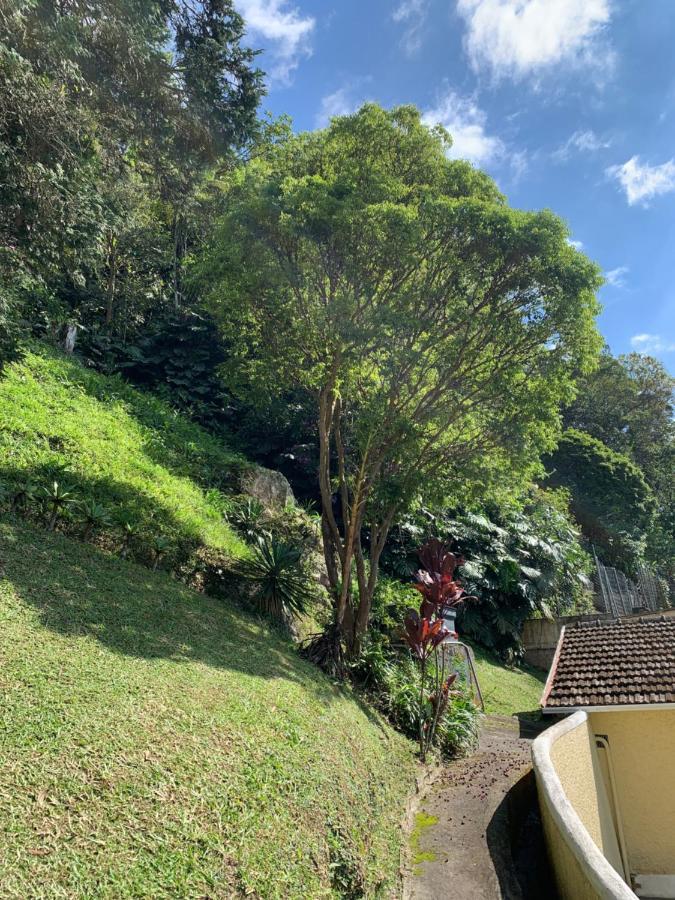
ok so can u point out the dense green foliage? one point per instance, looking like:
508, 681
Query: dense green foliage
391, 679
158, 743
522, 561
437, 329
105, 442
111, 116
610, 496
627, 403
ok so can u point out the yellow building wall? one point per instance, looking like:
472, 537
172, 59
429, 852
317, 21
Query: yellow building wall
642, 749
576, 764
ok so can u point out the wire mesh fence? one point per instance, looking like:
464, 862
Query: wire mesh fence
622, 596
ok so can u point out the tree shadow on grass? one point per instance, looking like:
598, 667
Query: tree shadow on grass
79, 590
124, 502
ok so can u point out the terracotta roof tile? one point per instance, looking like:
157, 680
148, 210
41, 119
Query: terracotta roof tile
605, 663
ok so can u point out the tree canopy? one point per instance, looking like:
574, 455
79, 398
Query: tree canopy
437, 328
109, 114
610, 496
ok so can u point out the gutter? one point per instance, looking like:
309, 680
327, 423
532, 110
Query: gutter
610, 707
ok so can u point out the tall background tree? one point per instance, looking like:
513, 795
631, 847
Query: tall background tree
111, 116
437, 329
626, 405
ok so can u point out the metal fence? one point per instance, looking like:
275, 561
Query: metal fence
622, 596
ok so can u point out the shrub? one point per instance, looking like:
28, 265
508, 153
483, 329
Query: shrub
523, 562
457, 732
409, 697
246, 514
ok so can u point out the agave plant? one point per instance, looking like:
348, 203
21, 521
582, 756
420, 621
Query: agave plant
130, 531
160, 547
57, 498
282, 589
94, 516
246, 516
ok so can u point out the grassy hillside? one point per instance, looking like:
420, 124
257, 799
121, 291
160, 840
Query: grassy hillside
156, 743
507, 691
110, 443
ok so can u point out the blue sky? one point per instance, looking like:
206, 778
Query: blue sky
568, 104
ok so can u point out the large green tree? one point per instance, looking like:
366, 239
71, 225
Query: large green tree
437, 328
610, 497
627, 403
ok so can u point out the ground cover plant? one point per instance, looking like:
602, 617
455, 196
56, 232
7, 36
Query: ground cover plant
80, 444
159, 743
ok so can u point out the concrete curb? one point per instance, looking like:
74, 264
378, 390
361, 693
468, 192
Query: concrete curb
423, 781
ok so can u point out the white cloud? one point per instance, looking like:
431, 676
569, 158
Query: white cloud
519, 37
584, 142
578, 245
651, 343
519, 162
617, 277
413, 14
466, 123
281, 30
641, 181
339, 103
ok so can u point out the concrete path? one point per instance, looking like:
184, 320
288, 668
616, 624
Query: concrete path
466, 828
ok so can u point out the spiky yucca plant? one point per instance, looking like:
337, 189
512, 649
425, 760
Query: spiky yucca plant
281, 587
57, 498
95, 516
160, 547
130, 531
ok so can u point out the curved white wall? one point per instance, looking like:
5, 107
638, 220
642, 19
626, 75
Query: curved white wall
576, 814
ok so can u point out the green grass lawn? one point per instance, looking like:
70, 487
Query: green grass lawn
508, 691
110, 443
158, 743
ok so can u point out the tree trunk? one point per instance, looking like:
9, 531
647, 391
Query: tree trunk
70, 338
112, 279
178, 253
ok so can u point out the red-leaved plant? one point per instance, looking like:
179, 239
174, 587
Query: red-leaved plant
436, 581
425, 631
